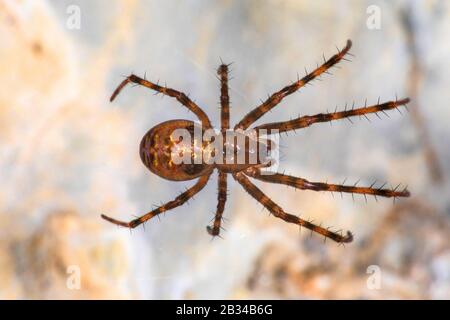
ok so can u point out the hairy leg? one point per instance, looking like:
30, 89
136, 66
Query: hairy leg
303, 184
278, 212
222, 198
224, 97
276, 98
180, 96
306, 121
180, 200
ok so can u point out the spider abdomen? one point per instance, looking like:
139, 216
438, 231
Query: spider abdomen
157, 152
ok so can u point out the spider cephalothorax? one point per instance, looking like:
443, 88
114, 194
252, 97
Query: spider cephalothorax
178, 150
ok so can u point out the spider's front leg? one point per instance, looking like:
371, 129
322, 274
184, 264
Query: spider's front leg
180, 200
276, 98
306, 121
304, 184
278, 212
222, 198
180, 96
224, 97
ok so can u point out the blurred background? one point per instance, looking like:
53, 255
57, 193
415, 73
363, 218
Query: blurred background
67, 154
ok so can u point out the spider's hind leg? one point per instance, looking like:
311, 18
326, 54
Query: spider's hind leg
179, 96
178, 201
278, 212
222, 198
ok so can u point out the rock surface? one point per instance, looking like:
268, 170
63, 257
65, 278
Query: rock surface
68, 155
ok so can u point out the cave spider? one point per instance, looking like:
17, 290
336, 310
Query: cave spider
158, 145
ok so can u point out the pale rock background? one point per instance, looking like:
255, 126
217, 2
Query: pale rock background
67, 154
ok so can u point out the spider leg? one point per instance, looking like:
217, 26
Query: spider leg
180, 96
222, 198
276, 98
224, 97
303, 184
306, 121
178, 201
278, 212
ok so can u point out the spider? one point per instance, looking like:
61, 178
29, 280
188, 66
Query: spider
158, 145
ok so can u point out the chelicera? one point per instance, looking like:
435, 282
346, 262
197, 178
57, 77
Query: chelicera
159, 146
